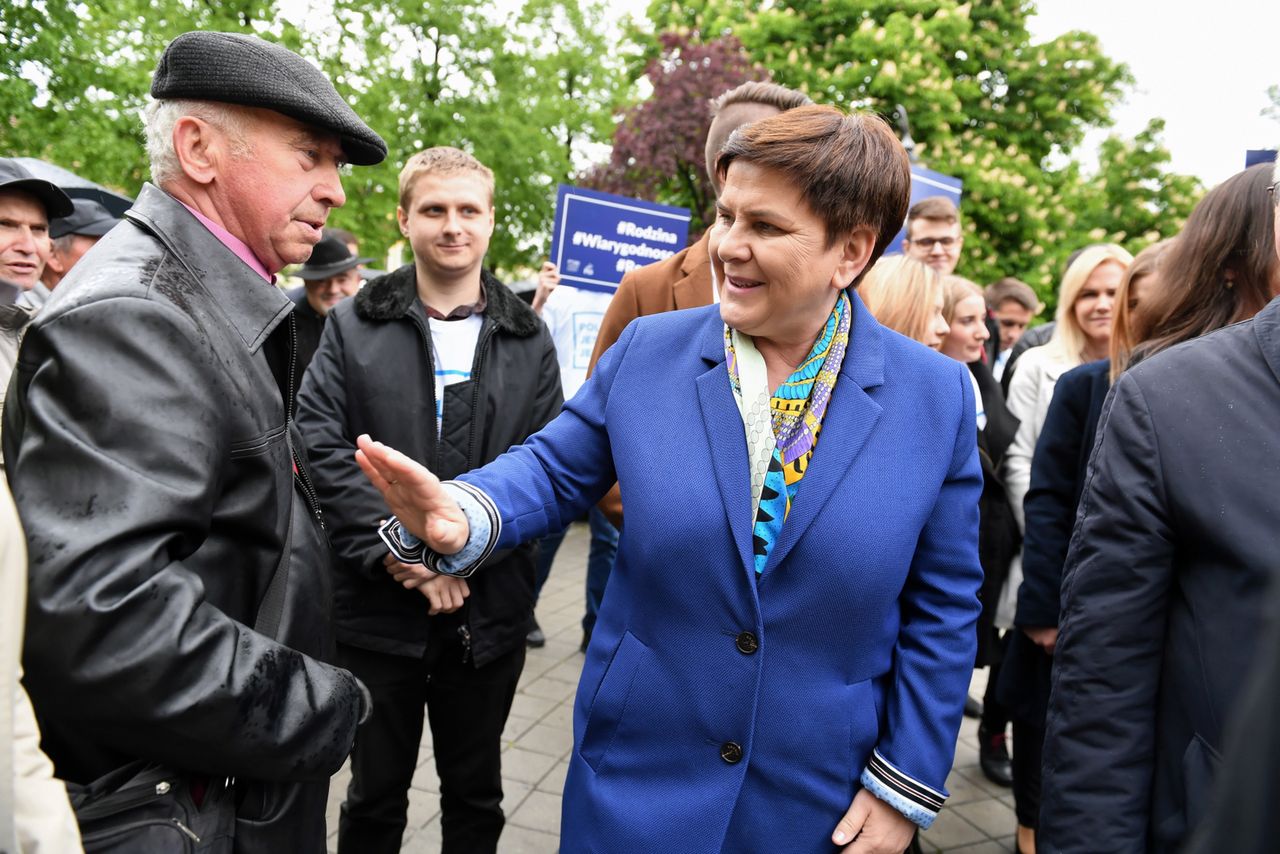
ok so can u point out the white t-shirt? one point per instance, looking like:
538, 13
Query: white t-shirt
977, 400
573, 315
453, 351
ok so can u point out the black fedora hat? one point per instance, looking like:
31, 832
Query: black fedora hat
329, 258
13, 176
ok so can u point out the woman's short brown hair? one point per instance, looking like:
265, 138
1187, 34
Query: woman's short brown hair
850, 168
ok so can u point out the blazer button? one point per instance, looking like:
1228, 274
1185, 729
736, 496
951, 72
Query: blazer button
731, 752
747, 643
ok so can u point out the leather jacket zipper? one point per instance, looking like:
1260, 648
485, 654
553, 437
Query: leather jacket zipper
300, 471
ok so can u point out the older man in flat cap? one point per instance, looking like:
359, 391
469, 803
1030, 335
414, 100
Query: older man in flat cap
179, 598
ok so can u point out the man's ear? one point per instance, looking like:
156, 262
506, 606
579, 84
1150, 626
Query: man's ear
54, 260
402, 217
199, 146
855, 253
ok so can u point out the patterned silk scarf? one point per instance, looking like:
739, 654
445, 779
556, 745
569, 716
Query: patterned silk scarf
782, 428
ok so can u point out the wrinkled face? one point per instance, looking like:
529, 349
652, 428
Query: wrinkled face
1012, 318
277, 198
1093, 305
448, 222
776, 276
968, 330
938, 327
324, 294
935, 243
722, 127
24, 238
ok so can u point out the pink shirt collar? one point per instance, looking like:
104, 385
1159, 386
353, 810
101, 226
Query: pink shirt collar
235, 244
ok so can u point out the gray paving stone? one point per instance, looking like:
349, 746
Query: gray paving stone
992, 817
531, 707
425, 779
540, 811
526, 766
521, 840
950, 830
552, 740
963, 790
550, 689
553, 782
423, 807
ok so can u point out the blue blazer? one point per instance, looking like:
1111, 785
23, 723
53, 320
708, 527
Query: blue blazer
721, 712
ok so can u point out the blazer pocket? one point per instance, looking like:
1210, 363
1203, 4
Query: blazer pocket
610, 702
1199, 768
864, 725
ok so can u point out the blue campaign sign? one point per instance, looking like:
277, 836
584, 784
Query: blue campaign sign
926, 183
599, 236
1254, 156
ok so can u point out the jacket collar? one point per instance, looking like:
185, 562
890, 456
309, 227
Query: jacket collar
694, 289
847, 425
252, 306
395, 295
1266, 327
863, 361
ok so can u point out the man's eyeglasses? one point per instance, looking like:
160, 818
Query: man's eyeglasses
1274, 190
927, 243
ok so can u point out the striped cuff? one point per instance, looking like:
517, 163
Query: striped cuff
485, 527
910, 797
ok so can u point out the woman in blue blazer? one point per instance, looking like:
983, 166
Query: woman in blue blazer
784, 653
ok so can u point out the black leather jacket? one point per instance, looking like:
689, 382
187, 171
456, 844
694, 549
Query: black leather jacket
373, 374
145, 443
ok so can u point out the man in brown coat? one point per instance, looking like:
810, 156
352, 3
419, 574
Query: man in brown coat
684, 279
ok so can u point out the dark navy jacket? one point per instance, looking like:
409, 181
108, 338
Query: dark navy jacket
1164, 595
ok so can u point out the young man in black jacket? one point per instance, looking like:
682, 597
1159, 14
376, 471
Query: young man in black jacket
441, 360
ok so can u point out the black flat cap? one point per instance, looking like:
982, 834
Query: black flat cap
239, 69
89, 218
13, 176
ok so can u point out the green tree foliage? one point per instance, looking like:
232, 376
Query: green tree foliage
659, 145
74, 76
987, 104
523, 90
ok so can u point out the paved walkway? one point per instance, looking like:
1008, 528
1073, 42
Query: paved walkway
978, 818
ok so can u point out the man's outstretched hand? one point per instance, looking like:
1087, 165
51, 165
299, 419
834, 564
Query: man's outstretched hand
414, 495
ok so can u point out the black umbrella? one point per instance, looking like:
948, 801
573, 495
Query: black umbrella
76, 187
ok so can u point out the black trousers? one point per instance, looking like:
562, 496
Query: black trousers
467, 708
1028, 755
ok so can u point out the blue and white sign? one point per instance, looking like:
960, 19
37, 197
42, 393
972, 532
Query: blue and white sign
598, 237
1254, 156
924, 184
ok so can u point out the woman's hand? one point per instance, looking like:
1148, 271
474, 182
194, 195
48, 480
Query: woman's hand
415, 496
1045, 637
873, 827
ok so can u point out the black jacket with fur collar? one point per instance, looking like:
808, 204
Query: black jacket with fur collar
373, 374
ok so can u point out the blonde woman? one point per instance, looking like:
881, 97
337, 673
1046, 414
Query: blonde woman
1086, 303
906, 296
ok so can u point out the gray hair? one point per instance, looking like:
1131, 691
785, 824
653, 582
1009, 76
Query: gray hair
161, 117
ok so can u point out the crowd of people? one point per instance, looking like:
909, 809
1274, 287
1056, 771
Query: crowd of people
257, 532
